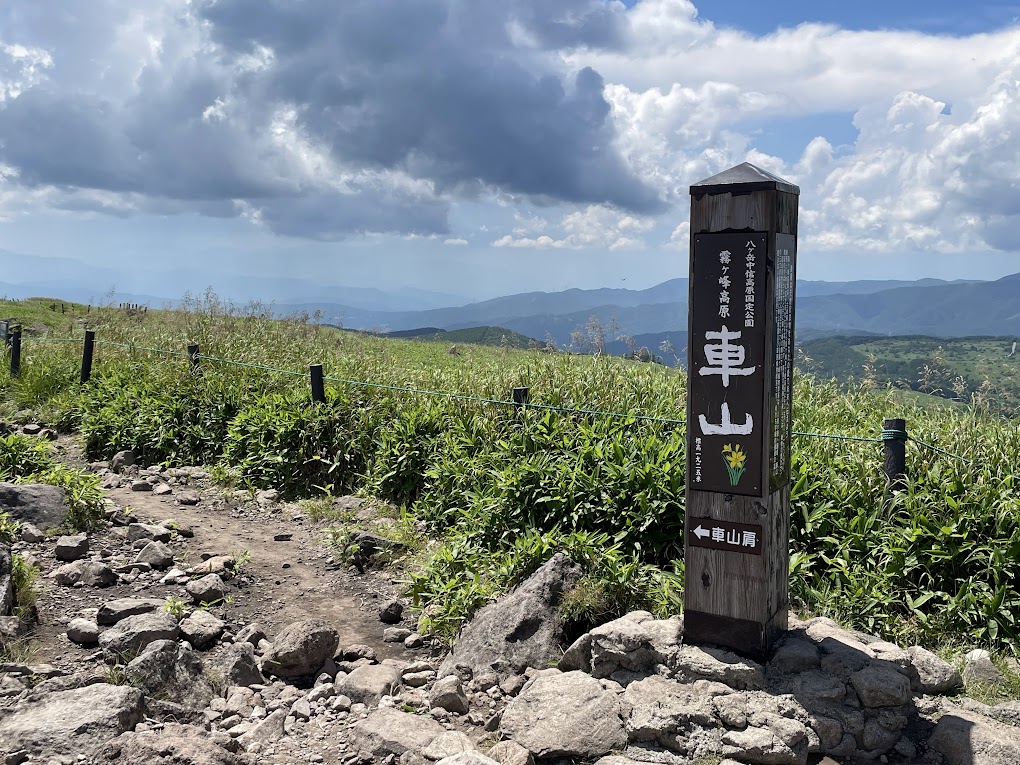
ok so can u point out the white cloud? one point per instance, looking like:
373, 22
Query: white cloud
595, 227
455, 242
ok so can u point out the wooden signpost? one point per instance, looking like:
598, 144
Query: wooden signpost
740, 364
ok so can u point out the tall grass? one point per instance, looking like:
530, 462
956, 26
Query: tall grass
502, 488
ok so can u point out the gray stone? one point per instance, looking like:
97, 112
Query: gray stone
141, 484
98, 574
391, 732
968, 738
300, 649
521, 629
979, 669
149, 531
236, 665
565, 714
881, 686
161, 490
793, 656
128, 637
301, 709
30, 533
510, 753
267, 731
73, 722
636, 642
83, 632
115, 610
72, 547
577, 655
368, 684
69, 574
762, 745
173, 744
467, 758
121, 460
38, 504
391, 612
189, 498
933, 675
413, 641
202, 629
664, 711
157, 555
448, 744
448, 693
395, 634
209, 589
171, 672
719, 665
250, 633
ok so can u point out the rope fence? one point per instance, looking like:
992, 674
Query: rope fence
893, 432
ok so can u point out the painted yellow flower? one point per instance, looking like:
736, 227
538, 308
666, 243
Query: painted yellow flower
736, 458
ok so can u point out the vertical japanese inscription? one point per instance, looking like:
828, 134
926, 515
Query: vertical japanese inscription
781, 396
727, 373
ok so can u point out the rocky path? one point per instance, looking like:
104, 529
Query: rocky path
204, 626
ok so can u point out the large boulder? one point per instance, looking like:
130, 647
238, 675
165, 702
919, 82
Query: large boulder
236, 665
968, 738
72, 547
565, 714
300, 649
113, 611
521, 629
74, 722
933, 675
392, 732
202, 629
42, 505
126, 639
369, 683
169, 671
636, 642
174, 744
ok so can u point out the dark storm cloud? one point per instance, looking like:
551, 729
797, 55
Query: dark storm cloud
462, 94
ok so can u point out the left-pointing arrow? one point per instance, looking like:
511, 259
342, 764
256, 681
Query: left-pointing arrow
700, 532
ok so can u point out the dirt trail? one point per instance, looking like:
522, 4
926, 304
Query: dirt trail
288, 573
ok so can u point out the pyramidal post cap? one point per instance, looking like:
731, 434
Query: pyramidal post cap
741, 179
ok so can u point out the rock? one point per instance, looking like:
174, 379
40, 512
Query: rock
719, 665
189, 498
72, 547
250, 633
73, 722
236, 665
121, 460
661, 710
267, 731
217, 564
391, 732
448, 694
577, 655
202, 629
301, 709
161, 490
636, 642
140, 484
521, 629
793, 656
934, 676
173, 744
300, 649
149, 531
267, 497
31, 429
171, 672
129, 636
565, 715
157, 555
762, 745
978, 668
968, 738
881, 686
69, 574
395, 634
467, 758
510, 753
368, 684
97, 574
38, 504
83, 632
413, 641
448, 744
209, 589
30, 533
115, 610
391, 612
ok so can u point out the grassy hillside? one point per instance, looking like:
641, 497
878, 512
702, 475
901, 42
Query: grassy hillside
501, 489
497, 336
985, 370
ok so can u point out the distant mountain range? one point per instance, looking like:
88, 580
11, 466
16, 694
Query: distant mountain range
927, 306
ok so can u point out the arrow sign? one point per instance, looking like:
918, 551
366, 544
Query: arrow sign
726, 536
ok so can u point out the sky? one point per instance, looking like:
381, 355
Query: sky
477, 148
